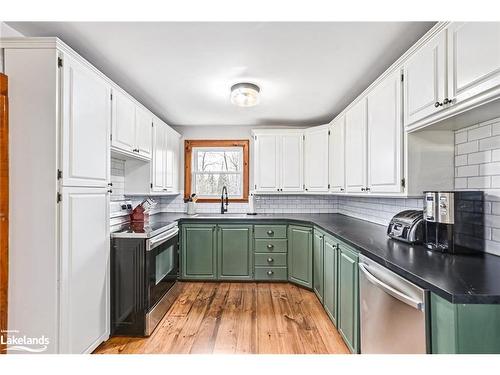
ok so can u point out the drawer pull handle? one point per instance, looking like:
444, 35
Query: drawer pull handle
270, 260
270, 273
270, 232
270, 246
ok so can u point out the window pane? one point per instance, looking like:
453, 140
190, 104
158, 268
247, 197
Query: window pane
211, 184
218, 160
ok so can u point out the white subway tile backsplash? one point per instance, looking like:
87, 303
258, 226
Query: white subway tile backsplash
467, 148
479, 133
467, 171
461, 160
478, 157
460, 137
482, 182
489, 143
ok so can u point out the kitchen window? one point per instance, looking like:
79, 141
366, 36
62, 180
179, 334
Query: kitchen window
212, 164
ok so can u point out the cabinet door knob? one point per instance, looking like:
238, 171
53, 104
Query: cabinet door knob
270, 232
447, 101
362, 189
367, 189
438, 104
270, 260
110, 191
270, 272
270, 246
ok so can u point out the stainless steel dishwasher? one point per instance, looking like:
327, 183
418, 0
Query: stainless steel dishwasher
392, 311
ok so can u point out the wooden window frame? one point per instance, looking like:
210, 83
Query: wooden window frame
188, 154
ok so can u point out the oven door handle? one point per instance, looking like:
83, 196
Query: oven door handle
390, 290
161, 239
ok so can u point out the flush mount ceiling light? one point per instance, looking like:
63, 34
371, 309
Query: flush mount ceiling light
245, 94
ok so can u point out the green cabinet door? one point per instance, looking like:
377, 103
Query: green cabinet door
318, 263
300, 255
348, 311
198, 251
464, 328
330, 277
234, 252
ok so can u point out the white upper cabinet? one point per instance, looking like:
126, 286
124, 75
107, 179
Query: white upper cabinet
266, 166
86, 126
424, 80
473, 59
143, 126
337, 155
292, 162
123, 122
355, 147
316, 158
385, 134
279, 160
158, 175
131, 129
172, 160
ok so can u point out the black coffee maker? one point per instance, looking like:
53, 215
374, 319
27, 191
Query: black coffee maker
454, 221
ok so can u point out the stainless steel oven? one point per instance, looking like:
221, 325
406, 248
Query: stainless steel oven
161, 272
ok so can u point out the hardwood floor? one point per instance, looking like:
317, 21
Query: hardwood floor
241, 318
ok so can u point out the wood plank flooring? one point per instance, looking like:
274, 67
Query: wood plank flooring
239, 318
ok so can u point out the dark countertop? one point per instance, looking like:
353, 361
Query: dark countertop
457, 278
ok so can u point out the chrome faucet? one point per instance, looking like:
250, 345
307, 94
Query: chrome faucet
222, 209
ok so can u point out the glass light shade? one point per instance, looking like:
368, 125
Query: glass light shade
245, 94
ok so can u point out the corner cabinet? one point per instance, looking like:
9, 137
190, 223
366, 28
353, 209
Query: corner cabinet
316, 158
279, 160
300, 255
199, 251
234, 252
348, 297
355, 148
336, 156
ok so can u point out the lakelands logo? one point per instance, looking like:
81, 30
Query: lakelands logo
22, 343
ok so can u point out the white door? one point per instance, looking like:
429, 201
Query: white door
266, 171
159, 156
172, 160
292, 162
424, 80
85, 126
143, 126
84, 282
123, 121
473, 59
355, 148
337, 156
385, 132
316, 159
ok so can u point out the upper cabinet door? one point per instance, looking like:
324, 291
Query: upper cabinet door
143, 121
473, 59
172, 160
266, 162
123, 122
292, 162
385, 132
316, 159
424, 80
86, 126
337, 156
355, 148
159, 156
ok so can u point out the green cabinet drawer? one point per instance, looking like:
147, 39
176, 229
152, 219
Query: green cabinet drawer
271, 273
270, 246
270, 231
278, 259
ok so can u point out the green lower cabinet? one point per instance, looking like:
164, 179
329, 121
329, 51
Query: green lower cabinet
234, 252
348, 297
300, 255
198, 251
464, 328
330, 256
318, 241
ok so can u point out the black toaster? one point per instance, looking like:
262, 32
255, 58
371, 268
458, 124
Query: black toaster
407, 226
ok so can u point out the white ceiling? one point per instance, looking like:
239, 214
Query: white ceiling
308, 72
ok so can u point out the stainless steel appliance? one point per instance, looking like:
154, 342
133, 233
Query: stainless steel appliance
454, 221
144, 270
407, 226
392, 311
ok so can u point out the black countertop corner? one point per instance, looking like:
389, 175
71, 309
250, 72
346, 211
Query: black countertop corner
467, 279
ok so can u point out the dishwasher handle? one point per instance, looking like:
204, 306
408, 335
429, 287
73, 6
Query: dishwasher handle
390, 290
